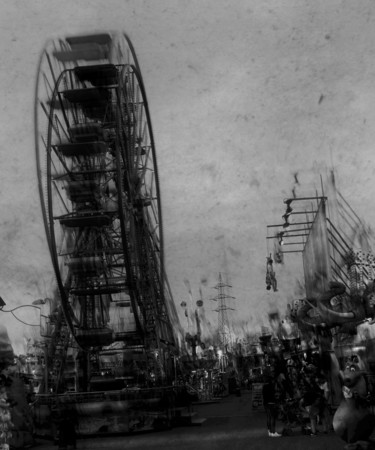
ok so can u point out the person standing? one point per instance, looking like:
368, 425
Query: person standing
324, 396
270, 404
67, 429
311, 402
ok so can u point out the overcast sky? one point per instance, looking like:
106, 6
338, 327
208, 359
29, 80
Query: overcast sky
242, 94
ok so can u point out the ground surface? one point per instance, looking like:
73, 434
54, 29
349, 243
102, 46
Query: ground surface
231, 425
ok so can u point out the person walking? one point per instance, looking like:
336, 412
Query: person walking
270, 404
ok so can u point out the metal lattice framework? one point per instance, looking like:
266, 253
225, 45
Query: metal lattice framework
222, 310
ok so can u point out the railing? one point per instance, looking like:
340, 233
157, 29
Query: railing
100, 396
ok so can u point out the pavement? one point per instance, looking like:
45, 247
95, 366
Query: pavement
231, 424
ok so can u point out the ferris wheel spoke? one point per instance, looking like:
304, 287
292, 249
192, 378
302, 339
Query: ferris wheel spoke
61, 127
47, 115
133, 86
138, 103
144, 135
60, 160
151, 186
144, 168
67, 209
49, 89
52, 71
155, 214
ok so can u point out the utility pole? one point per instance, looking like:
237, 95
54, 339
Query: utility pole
223, 322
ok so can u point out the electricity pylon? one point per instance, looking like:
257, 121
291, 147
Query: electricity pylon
223, 322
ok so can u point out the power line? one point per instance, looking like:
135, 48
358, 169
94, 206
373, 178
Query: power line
17, 318
25, 323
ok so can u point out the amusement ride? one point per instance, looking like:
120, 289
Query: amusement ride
115, 324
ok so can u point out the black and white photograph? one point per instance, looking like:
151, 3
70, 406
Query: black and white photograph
187, 224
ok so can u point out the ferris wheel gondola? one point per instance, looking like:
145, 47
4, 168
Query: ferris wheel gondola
99, 190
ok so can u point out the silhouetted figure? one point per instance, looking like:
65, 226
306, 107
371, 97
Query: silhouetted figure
270, 405
67, 429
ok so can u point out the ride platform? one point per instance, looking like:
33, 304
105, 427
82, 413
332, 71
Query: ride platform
110, 412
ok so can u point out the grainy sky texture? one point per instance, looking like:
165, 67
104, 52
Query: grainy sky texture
243, 94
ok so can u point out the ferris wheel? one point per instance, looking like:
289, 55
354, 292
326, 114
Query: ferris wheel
99, 191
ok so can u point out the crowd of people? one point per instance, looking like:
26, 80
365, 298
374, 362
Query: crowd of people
297, 393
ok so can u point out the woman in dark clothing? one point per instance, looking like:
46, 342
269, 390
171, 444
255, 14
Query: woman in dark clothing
270, 405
